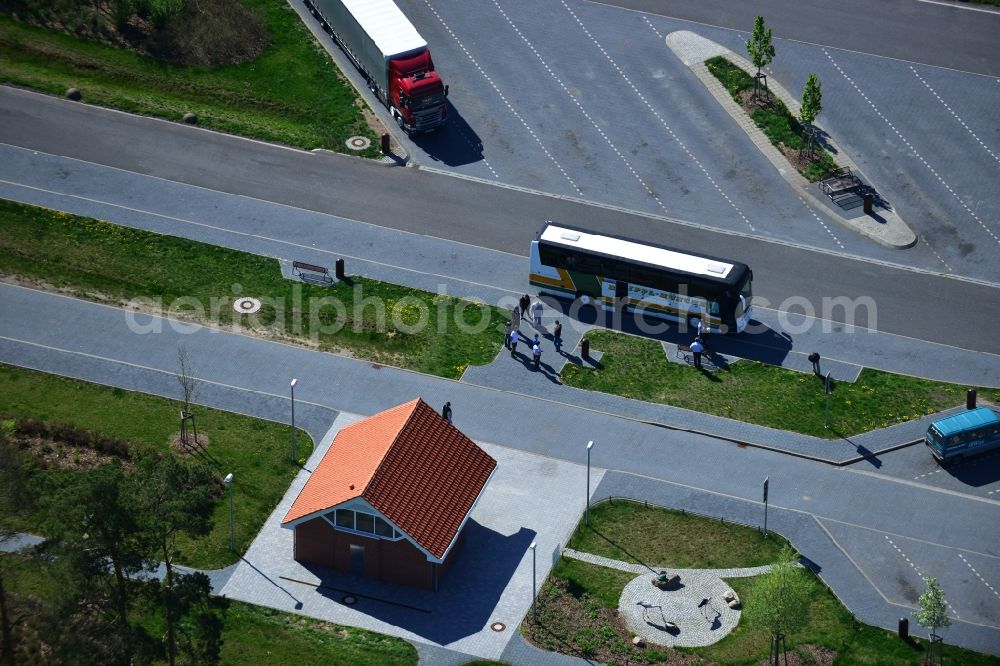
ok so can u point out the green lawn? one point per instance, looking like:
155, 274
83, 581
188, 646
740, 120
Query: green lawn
577, 608
107, 262
256, 452
251, 634
292, 93
632, 532
776, 121
767, 395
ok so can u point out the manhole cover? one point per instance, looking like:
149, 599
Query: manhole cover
498, 626
246, 305
358, 143
349, 600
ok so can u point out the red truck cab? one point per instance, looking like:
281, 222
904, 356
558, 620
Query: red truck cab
417, 94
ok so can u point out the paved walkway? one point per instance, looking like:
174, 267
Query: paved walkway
885, 227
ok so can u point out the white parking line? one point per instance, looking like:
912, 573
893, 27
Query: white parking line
981, 579
952, 112
657, 113
922, 476
913, 150
476, 148
918, 572
504, 99
823, 224
958, 5
582, 110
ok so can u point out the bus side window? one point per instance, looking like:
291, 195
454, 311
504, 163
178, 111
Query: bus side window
713, 307
954, 440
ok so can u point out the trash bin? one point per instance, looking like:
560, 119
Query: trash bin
970, 399
585, 348
904, 628
869, 203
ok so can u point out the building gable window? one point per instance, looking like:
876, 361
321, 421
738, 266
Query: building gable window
364, 523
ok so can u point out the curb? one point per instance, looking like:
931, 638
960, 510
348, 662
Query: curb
693, 50
352, 76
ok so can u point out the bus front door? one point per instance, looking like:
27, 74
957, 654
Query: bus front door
621, 294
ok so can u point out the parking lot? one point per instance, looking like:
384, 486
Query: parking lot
586, 100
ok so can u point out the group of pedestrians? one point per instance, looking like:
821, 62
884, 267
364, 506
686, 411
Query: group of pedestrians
513, 335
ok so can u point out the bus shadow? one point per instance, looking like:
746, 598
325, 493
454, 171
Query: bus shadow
764, 344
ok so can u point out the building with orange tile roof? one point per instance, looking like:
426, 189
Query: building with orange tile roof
390, 497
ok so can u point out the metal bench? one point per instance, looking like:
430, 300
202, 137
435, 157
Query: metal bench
311, 272
843, 188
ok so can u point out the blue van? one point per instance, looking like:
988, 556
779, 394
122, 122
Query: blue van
969, 433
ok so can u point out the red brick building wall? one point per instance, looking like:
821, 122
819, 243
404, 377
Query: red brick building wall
317, 542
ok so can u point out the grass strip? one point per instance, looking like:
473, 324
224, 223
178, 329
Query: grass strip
767, 395
255, 451
377, 321
776, 121
292, 93
632, 532
250, 635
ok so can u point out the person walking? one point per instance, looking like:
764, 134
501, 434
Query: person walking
515, 318
446, 412
525, 303
557, 336
536, 355
507, 328
514, 335
696, 350
536, 340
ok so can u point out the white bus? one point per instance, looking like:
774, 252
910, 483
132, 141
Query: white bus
653, 279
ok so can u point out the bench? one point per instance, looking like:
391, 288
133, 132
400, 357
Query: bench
843, 187
322, 272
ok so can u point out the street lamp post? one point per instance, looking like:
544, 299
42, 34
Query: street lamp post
534, 594
590, 445
826, 410
294, 451
229, 482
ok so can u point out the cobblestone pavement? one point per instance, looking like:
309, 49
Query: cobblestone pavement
691, 615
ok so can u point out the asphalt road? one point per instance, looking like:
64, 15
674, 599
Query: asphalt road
957, 36
894, 529
925, 306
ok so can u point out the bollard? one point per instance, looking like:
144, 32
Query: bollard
904, 628
869, 202
385, 144
585, 348
338, 269
970, 399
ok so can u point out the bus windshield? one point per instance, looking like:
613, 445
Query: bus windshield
746, 289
